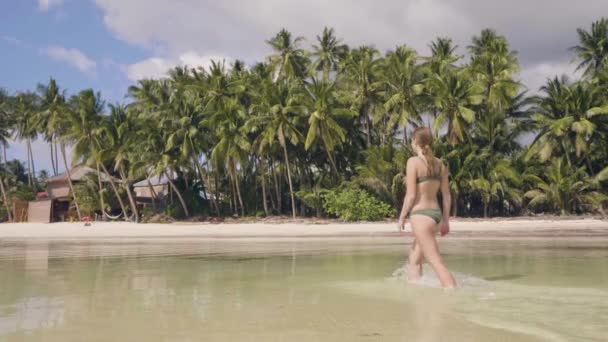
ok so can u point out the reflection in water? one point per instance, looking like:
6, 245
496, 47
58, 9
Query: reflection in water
504, 277
56, 291
37, 258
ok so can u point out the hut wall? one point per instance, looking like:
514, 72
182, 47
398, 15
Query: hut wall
40, 211
58, 189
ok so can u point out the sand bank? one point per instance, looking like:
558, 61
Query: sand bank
490, 228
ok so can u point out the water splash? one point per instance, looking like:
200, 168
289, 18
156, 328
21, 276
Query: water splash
548, 312
429, 279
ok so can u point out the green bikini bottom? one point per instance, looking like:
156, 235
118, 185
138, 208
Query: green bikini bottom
435, 214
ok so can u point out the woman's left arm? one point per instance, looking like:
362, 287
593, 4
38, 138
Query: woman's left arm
447, 200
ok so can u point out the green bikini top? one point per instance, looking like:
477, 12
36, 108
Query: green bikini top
428, 178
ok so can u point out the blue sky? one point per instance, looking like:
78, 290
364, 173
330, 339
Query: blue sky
109, 44
29, 35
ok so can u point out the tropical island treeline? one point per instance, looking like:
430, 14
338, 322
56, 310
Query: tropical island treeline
325, 132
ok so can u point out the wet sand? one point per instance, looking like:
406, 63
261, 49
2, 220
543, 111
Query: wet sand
495, 228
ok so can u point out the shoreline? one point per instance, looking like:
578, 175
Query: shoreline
472, 229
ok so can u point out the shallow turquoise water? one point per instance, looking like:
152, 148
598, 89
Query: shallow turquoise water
227, 291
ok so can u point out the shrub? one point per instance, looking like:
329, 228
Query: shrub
260, 214
88, 198
354, 204
3, 214
175, 211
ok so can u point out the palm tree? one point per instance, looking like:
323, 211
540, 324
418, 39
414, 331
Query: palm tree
232, 145
403, 84
290, 62
26, 108
493, 65
5, 134
361, 76
380, 169
275, 108
52, 105
85, 129
443, 56
149, 144
592, 50
567, 116
565, 189
496, 180
182, 117
328, 53
454, 96
323, 124
119, 130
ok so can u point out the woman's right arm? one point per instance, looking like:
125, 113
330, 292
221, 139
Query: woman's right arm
410, 192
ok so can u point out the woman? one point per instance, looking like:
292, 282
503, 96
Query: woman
425, 177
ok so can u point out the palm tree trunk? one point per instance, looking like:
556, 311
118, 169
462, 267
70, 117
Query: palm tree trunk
233, 205
485, 209
127, 186
120, 202
101, 201
67, 171
52, 158
215, 198
29, 165
454, 204
5, 199
34, 178
566, 153
368, 128
217, 187
4, 152
333, 163
589, 165
4, 196
293, 201
179, 195
264, 201
277, 187
270, 187
152, 194
56, 157
200, 173
238, 188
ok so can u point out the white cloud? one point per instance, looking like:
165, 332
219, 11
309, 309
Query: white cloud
157, 67
536, 75
45, 5
74, 57
541, 31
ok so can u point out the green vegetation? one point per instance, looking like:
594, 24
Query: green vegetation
325, 131
353, 204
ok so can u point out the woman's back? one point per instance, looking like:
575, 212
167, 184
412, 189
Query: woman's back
428, 182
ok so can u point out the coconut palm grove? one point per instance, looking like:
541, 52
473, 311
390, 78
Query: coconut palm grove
324, 132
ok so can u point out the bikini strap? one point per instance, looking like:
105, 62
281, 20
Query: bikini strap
428, 169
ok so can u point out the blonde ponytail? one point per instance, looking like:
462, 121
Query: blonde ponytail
424, 139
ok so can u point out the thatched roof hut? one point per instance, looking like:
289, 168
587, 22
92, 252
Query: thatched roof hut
58, 186
153, 187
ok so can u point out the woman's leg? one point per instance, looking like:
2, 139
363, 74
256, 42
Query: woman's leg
424, 231
414, 264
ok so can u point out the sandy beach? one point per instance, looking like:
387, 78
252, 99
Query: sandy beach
495, 228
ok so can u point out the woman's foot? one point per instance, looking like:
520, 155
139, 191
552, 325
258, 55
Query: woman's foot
414, 272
